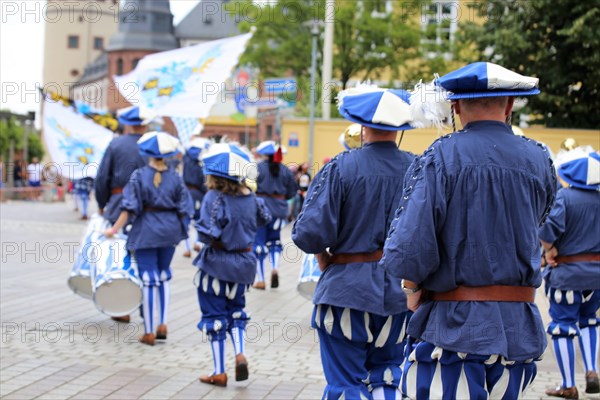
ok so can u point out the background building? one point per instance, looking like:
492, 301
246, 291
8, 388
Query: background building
76, 33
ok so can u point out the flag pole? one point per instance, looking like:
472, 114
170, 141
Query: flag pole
328, 58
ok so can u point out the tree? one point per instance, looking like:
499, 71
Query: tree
553, 40
11, 130
368, 40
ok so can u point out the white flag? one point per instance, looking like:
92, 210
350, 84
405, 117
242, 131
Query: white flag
183, 82
75, 143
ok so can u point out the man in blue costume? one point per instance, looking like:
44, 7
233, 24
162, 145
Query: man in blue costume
348, 209
121, 158
276, 185
571, 239
464, 245
193, 177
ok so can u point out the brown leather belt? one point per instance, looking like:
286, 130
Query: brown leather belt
523, 294
117, 190
158, 209
217, 244
348, 258
274, 195
584, 257
192, 187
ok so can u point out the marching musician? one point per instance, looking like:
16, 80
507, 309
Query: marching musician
571, 240
229, 218
193, 177
464, 245
120, 159
276, 185
158, 202
344, 221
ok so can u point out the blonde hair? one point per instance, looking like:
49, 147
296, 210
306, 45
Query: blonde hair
224, 185
160, 166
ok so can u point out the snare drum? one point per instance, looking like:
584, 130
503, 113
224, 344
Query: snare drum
80, 280
309, 276
117, 288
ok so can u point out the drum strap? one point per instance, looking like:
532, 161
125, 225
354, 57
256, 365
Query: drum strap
500, 293
217, 244
575, 258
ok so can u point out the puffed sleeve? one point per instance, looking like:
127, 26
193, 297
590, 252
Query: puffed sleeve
411, 249
212, 217
102, 184
291, 187
554, 226
263, 215
316, 228
132, 194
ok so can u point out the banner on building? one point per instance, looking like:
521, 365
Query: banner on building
184, 82
75, 143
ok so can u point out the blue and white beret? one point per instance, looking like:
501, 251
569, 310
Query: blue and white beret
379, 108
485, 79
269, 148
582, 173
227, 161
158, 145
197, 146
131, 116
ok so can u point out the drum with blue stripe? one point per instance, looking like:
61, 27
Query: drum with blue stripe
309, 276
80, 280
117, 287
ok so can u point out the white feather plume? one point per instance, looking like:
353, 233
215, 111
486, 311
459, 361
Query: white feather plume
429, 106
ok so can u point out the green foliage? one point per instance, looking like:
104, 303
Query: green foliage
555, 40
12, 130
368, 41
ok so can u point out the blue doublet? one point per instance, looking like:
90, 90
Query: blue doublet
232, 220
121, 158
348, 209
284, 184
193, 177
158, 212
573, 226
469, 216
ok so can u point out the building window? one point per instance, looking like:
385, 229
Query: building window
98, 43
73, 42
439, 24
269, 132
134, 63
120, 66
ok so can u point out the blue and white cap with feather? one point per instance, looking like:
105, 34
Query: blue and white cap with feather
159, 145
431, 102
379, 108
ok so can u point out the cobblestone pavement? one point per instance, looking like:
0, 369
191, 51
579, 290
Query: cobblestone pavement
56, 345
